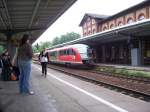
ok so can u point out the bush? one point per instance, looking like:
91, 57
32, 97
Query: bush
123, 71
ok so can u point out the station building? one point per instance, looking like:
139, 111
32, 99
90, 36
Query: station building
123, 38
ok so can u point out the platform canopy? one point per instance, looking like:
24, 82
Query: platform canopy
137, 30
28, 16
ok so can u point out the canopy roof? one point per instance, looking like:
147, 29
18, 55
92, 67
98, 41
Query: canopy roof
28, 16
135, 30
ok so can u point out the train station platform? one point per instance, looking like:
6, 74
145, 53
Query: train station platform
62, 93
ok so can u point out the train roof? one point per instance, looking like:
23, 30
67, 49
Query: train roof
69, 46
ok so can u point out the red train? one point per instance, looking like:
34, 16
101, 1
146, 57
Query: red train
77, 54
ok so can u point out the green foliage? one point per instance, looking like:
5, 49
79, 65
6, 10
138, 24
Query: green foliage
38, 48
57, 40
124, 71
1, 49
65, 38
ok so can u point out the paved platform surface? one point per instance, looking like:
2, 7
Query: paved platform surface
62, 93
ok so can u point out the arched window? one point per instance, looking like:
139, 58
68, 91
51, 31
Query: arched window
84, 26
130, 20
105, 28
112, 26
120, 23
94, 31
93, 21
141, 17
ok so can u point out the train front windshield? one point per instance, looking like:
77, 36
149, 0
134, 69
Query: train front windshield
84, 51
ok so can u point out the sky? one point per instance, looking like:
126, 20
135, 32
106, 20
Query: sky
70, 20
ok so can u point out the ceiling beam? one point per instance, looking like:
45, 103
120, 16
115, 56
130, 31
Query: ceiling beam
7, 13
60, 12
21, 30
2, 21
34, 12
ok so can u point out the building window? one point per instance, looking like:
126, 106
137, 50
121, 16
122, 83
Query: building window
88, 19
89, 24
93, 21
94, 31
112, 26
99, 28
105, 28
120, 23
141, 17
130, 20
84, 25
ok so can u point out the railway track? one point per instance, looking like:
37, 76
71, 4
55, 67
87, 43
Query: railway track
134, 87
137, 79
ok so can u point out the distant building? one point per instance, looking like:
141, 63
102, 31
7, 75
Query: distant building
90, 23
93, 23
120, 52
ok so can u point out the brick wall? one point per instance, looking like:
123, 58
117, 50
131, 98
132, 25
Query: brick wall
93, 27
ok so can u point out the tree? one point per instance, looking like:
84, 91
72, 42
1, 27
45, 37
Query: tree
1, 49
41, 46
55, 41
65, 38
45, 45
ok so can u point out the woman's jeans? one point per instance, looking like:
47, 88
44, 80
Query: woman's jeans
25, 71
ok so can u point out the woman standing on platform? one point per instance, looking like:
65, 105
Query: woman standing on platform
43, 57
24, 63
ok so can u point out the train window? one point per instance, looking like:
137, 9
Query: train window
55, 53
67, 52
64, 52
71, 52
60, 52
52, 54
